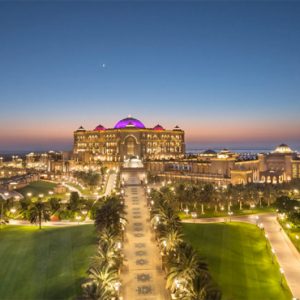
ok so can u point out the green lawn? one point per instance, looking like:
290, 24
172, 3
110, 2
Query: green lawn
236, 212
46, 264
37, 187
239, 260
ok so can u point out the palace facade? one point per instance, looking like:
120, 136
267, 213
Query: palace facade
127, 139
224, 167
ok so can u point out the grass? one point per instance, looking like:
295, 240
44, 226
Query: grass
44, 264
236, 212
37, 187
239, 260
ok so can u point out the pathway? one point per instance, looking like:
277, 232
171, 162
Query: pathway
142, 277
287, 254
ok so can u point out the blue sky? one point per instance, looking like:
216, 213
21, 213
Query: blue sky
226, 72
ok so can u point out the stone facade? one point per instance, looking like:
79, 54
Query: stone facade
129, 138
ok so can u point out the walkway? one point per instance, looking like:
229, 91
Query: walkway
287, 255
142, 277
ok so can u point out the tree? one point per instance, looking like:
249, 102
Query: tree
54, 204
74, 202
105, 277
110, 214
37, 212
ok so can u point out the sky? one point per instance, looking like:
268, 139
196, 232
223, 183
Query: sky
228, 73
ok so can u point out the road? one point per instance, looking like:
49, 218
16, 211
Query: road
287, 254
142, 276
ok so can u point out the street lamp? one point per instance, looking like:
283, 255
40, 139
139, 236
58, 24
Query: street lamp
273, 254
230, 213
78, 218
281, 273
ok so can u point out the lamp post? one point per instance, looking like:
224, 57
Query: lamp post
273, 254
281, 275
230, 213
78, 219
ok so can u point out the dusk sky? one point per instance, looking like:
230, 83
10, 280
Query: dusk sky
228, 73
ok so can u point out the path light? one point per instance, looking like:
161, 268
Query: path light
78, 218
297, 237
117, 286
41, 195
230, 213
288, 226
281, 272
186, 210
152, 202
84, 212
29, 194
13, 210
194, 215
50, 193
266, 235
119, 245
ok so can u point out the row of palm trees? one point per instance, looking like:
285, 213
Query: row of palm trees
187, 274
103, 280
39, 210
202, 196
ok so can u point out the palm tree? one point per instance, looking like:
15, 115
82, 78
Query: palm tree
171, 240
105, 276
110, 214
38, 211
94, 291
187, 266
107, 255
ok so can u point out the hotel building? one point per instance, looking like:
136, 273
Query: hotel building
128, 138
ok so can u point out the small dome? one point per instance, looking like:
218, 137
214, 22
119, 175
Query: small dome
158, 127
80, 129
283, 148
129, 122
209, 152
177, 128
99, 128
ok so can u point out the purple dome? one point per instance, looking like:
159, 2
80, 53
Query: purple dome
158, 127
99, 128
129, 122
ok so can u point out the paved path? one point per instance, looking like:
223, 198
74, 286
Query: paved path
287, 254
110, 184
142, 277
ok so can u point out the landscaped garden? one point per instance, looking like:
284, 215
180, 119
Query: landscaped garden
37, 187
44, 264
239, 260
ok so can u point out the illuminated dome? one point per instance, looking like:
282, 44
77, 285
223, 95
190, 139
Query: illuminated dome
158, 127
99, 128
129, 122
283, 148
